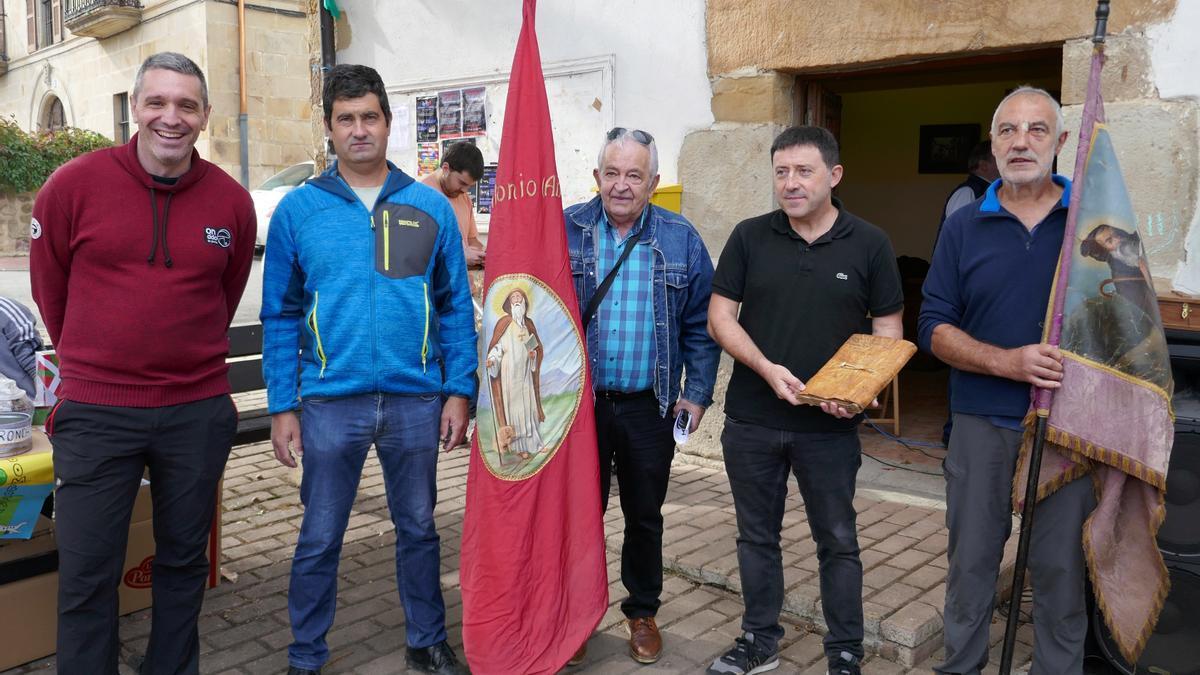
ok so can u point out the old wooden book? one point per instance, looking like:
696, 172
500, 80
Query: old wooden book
859, 370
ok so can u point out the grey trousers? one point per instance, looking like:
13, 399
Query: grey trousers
979, 471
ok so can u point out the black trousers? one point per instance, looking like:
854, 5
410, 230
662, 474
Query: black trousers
100, 454
631, 434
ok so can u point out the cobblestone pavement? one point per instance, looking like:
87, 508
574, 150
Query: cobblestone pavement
244, 626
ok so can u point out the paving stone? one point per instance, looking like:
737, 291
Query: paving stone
896, 596
881, 576
894, 544
244, 624
912, 625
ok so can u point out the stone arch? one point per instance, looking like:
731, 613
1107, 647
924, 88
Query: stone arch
48, 88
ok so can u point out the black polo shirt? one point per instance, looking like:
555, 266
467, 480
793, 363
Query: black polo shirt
800, 302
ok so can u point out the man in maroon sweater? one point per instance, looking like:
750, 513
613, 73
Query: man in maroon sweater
138, 258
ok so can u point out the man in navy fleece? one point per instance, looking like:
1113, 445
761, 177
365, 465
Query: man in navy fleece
985, 301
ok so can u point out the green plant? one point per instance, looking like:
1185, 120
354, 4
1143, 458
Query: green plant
28, 159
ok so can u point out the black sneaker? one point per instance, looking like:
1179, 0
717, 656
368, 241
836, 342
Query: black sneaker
293, 670
844, 664
438, 659
746, 658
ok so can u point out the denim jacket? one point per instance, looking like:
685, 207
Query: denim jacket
682, 285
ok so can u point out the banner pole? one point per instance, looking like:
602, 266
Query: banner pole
1022, 561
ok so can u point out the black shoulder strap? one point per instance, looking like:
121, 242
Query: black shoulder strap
594, 304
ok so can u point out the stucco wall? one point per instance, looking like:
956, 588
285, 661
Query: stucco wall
789, 35
660, 82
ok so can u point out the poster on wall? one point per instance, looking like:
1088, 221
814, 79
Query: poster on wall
474, 111
427, 119
399, 136
446, 143
428, 159
486, 188
450, 113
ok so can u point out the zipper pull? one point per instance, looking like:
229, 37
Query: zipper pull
372, 221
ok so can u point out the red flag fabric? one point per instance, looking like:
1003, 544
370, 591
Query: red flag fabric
534, 581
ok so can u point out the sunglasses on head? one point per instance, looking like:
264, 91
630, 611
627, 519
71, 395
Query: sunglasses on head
638, 135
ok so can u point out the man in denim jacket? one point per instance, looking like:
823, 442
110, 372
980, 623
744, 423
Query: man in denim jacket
647, 328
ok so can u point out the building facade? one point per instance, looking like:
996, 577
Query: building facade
715, 81
72, 63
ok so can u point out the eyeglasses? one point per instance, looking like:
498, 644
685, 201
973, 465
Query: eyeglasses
638, 135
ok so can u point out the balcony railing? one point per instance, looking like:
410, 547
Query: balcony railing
101, 18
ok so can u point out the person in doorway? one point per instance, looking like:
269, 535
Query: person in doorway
791, 287
985, 301
981, 172
364, 296
138, 257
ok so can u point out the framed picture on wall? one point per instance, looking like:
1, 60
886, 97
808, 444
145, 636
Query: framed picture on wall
944, 147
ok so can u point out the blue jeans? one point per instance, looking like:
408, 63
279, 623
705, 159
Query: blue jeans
336, 434
758, 460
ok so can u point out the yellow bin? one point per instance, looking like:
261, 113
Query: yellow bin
669, 197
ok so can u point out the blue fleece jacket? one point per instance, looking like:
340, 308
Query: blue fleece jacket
991, 278
360, 300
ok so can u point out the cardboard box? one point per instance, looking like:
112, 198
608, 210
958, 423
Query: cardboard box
28, 607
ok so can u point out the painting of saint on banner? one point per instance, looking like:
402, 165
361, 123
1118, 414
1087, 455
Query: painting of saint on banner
532, 376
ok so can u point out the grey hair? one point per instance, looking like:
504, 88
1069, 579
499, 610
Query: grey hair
174, 62
626, 136
1028, 90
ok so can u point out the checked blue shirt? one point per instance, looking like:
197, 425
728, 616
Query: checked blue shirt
625, 317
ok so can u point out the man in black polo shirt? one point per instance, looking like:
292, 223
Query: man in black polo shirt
806, 276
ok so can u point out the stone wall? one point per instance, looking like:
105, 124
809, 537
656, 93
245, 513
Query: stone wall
277, 85
1156, 142
784, 35
16, 211
85, 74
757, 48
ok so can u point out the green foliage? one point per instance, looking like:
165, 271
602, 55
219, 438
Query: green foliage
27, 160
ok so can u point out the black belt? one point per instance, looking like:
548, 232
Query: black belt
612, 395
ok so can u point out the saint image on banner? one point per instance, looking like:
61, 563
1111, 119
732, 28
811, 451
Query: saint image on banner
513, 357
532, 360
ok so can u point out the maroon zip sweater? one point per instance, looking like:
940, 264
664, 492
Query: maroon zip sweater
137, 281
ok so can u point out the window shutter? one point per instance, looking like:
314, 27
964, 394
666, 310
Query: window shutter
31, 25
56, 19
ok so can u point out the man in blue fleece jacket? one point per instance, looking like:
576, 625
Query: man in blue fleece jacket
985, 302
368, 338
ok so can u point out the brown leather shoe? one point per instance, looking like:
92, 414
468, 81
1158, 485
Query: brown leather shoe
579, 655
645, 642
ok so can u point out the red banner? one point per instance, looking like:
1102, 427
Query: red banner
534, 581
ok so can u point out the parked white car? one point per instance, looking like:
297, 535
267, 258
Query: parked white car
268, 195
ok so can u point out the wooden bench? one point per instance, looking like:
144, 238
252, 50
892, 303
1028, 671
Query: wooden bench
245, 375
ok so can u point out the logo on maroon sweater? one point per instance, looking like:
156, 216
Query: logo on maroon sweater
216, 237
35, 229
